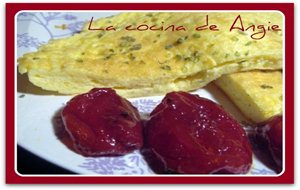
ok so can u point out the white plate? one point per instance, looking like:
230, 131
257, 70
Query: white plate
38, 121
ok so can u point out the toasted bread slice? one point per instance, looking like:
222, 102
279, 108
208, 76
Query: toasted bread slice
258, 94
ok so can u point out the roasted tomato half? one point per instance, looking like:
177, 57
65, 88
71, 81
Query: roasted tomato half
271, 132
101, 122
187, 134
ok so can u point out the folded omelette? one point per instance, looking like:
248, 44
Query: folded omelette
143, 63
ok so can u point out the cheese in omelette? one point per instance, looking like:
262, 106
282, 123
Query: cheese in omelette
143, 63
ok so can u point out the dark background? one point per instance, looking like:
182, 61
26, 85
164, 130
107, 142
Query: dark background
28, 163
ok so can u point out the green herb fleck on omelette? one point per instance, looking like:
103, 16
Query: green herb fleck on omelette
196, 35
167, 47
248, 43
136, 47
265, 86
166, 67
234, 39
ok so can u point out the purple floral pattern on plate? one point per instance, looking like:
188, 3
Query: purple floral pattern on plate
145, 105
70, 24
263, 171
26, 41
131, 164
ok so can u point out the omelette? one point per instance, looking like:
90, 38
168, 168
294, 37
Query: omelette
258, 94
142, 63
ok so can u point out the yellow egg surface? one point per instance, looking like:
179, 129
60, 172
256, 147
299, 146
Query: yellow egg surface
143, 63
